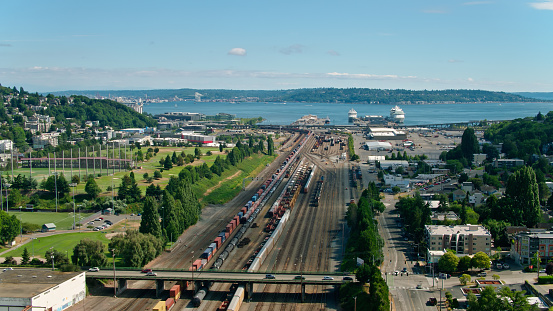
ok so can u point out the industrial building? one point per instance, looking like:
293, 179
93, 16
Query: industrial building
39, 289
197, 138
378, 145
384, 133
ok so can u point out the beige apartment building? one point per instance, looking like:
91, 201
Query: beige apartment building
464, 239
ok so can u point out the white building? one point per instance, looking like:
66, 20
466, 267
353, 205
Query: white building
38, 289
378, 145
397, 181
6, 145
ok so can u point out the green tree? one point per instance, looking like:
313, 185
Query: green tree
149, 224
9, 227
92, 189
168, 164
25, 257
515, 300
465, 278
522, 191
270, 146
448, 262
89, 253
15, 198
469, 144
157, 174
363, 273
465, 263
480, 260
495, 277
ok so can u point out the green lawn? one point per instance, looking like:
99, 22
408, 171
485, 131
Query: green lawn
63, 221
61, 242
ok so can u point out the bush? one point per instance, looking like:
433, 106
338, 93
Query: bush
36, 262
69, 268
10, 261
548, 279
29, 227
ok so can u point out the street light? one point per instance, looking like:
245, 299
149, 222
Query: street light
73, 185
33, 246
56, 188
52, 256
355, 303
192, 262
114, 279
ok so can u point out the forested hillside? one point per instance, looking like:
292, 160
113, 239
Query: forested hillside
319, 95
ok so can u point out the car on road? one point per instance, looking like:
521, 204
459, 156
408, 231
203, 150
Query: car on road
299, 277
94, 269
7, 269
270, 276
347, 278
146, 270
328, 278
432, 301
151, 273
419, 286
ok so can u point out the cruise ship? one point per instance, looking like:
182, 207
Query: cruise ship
397, 115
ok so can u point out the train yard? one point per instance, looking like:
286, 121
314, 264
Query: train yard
299, 199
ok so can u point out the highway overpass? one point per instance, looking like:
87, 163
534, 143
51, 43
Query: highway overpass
203, 277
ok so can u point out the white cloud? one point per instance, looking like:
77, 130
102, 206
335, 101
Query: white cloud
544, 5
454, 61
296, 48
367, 76
470, 80
333, 53
237, 52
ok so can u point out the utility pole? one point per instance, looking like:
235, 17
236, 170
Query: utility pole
52, 256
114, 279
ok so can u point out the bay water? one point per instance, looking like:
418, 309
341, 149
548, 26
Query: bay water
286, 113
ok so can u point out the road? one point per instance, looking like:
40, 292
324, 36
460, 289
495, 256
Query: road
403, 288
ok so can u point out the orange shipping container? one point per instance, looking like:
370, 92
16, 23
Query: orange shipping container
169, 303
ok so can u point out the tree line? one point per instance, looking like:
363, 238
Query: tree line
366, 244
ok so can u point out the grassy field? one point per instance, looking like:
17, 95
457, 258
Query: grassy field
230, 187
63, 221
61, 242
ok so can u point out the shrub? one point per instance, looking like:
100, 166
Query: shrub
547, 279
36, 262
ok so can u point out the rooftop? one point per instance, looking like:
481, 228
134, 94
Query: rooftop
27, 283
460, 229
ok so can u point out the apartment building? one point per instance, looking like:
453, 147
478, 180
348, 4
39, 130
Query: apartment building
526, 244
464, 239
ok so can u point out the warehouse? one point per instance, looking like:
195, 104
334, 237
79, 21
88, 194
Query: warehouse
378, 145
197, 138
38, 289
384, 133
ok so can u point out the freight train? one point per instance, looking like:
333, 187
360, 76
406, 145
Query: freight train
245, 216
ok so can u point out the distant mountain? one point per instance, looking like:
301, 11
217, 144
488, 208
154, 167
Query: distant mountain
317, 95
537, 95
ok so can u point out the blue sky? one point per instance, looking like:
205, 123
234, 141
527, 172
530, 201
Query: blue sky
499, 45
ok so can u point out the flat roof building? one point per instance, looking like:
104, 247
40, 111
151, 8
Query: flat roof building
463, 239
38, 289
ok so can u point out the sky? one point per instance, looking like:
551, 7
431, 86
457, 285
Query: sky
497, 45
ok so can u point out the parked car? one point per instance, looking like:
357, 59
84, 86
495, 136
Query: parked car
270, 276
328, 278
499, 266
506, 266
146, 270
482, 274
151, 273
94, 269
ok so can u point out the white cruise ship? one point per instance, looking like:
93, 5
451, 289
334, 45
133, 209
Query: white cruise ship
397, 115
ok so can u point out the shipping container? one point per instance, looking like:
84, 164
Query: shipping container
227, 234
213, 247
174, 292
169, 303
160, 306
218, 241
